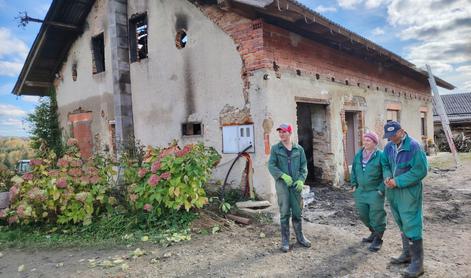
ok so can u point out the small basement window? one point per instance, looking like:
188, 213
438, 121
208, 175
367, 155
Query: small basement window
98, 48
138, 34
189, 129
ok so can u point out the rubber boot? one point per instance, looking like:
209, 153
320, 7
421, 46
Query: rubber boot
298, 229
404, 258
416, 268
370, 238
377, 242
285, 237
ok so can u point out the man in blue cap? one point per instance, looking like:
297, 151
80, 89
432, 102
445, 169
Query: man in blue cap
404, 168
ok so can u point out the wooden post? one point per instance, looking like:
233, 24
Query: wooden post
443, 116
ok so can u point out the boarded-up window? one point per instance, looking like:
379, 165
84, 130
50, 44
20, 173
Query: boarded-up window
138, 37
98, 48
82, 131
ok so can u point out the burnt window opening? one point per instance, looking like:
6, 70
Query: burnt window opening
98, 48
346, 82
358, 84
386, 90
189, 129
181, 39
298, 72
74, 71
138, 34
368, 86
377, 88
333, 79
317, 76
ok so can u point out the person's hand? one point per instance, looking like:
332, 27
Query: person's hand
287, 179
353, 189
299, 185
391, 183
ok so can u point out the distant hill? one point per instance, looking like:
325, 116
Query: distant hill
13, 149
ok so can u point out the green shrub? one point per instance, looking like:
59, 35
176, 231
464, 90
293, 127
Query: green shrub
72, 191
170, 178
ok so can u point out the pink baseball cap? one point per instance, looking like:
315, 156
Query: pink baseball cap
285, 128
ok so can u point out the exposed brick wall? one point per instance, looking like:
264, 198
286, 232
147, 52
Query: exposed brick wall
82, 131
293, 52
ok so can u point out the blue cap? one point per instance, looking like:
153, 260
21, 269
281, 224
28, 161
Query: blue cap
390, 129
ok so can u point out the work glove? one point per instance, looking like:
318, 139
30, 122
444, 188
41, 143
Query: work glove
287, 179
299, 185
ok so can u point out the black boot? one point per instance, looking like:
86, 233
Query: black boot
371, 237
377, 242
404, 258
416, 268
298, 229
284, 237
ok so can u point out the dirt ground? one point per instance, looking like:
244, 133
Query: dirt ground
331, 224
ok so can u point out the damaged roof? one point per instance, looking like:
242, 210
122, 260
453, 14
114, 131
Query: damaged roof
62, 25
457, 107
65, 20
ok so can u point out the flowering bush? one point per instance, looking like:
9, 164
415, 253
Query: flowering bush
70, 191
170, 178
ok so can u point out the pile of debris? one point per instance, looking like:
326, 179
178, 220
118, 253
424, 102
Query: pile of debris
462, 143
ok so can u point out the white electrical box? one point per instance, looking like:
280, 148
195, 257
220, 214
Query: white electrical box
237, 138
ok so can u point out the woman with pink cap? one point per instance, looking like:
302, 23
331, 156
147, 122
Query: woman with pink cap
368, 189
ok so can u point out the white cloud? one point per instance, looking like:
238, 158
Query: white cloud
323, 9
12, 122
11, 111
11, 46
377, 31
10, 68
369, 4
33, 99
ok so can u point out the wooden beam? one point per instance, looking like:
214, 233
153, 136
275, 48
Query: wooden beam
38, 84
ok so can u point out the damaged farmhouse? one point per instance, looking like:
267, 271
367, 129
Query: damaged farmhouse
225, 73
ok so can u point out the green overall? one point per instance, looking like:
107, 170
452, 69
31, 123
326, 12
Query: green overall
289, 199
369, 193
407, 164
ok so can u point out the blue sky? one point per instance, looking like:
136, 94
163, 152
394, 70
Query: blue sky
437, 32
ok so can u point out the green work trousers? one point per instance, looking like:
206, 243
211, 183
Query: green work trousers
370, 207
289, 202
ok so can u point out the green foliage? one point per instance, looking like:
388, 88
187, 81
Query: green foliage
169, 179
5, 179
109, 230
13, 149
73, 193
45, 130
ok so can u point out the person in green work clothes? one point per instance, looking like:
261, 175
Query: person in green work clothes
368, 189
287, 164
404, 168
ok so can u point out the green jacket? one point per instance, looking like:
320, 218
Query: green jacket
278, 162
372, 177
407, 165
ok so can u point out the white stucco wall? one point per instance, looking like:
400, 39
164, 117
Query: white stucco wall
90, 92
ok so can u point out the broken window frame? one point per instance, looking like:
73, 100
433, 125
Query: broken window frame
188, 129
138, 35
98, 53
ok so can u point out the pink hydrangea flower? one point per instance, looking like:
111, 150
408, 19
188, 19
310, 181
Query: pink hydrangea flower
20, 211
142, 172
62, 163
28, 176
36, 194
61, 183
3, 213
148, 207
94, 179
12, 219
54, 173
153, 180
72, 142
133, 197
75, 172
13, 192
85, 179
155, 166
76, 163
35, 162
92, 171
166, 176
